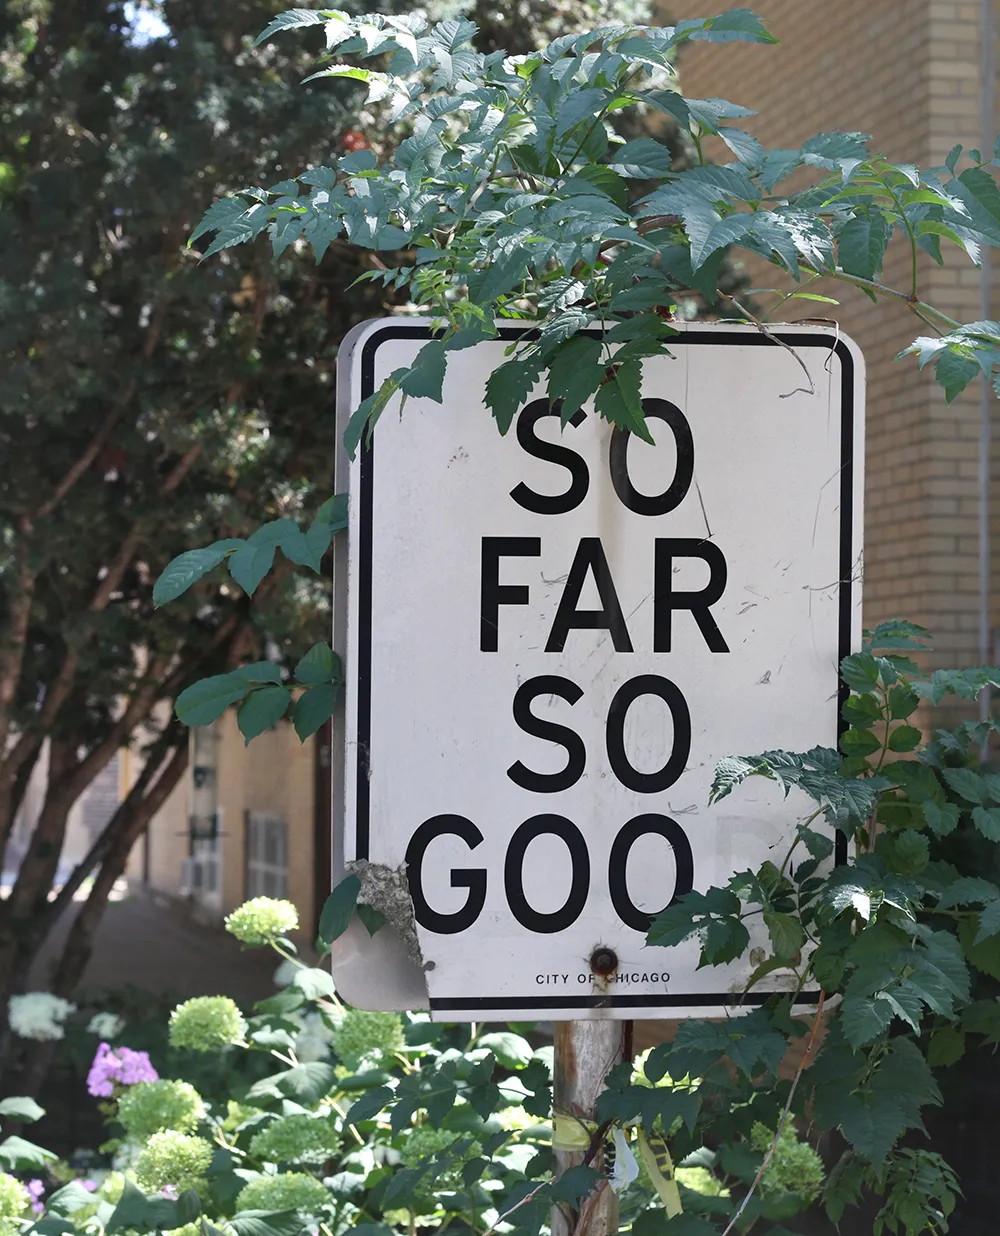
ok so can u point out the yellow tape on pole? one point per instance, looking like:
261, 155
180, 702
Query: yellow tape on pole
572, 1133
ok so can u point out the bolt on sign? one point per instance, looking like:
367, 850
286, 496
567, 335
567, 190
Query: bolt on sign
551, 638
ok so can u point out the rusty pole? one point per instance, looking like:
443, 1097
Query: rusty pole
585, 1052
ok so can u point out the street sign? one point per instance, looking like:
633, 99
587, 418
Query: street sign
552, 637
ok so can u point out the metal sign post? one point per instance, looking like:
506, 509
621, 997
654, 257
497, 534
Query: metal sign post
550, 639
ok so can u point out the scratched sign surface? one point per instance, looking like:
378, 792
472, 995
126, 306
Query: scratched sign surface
552, 638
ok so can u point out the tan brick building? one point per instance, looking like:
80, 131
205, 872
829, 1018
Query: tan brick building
909, 72
244, 822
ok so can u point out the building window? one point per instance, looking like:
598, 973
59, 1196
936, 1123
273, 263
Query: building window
267, 855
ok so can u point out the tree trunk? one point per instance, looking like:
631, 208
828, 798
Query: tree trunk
134, 821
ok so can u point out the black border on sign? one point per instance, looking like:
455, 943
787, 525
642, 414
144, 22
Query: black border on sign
742, 338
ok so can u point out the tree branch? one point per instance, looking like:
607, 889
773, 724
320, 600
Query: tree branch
12, 658
104, 430
172, 738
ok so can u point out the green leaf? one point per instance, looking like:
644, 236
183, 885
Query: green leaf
370, 1104
320, 664
862, 243
903, 702
987, 820
984, 953
643, 159
947, 1046
21, 1108
371, 919
187, 568
955, 372
307, 1083
508, 388
904, 738
942, 819
860, 671
741, 25
574, 1183
966, 784
862, 710
575, 373
314, 984
722, 940
188, 1206
787, 935
339, 909
425, 377
365, 416
262, 709
249, 565
266, 1223
206, 700
968, 890
314, 708
69, 1198
989, 922
290, 20
859, 742
333, 512
911, 853
130, 1211
511, 1050
620, 402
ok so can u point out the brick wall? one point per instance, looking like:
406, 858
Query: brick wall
905, 71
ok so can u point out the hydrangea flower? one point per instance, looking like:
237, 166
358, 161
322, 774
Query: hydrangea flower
14, 1197
423, 1142
262, 920
36, 1190
362, 1034
289, 1191
206, 1022
296, 1139
106, 1026
151, 1107
38, 1015
119, 1066
173, 1159
794, 1167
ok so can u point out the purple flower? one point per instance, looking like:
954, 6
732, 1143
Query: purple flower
169, 1191
89, 1186
36, 1188
119, 1067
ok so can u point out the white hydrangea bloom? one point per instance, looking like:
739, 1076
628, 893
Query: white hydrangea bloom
38, 1015
106, 1026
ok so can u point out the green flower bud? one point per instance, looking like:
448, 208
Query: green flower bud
262, 920
150, 1107
296, 1139
289, 1191
174, 1159
206, 1022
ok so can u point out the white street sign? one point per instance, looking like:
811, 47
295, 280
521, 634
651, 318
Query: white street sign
551, 638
